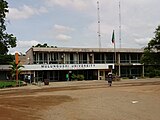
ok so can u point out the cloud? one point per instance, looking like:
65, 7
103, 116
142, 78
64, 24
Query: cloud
142, 41
61, 33
63, 37
76, 4
62, 29
25, 12
22, 46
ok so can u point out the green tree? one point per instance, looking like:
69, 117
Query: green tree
6, 40
13, 67
44, 45
6, 59
151, 56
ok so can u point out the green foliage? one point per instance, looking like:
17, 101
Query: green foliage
152, 71
6, 40
13, 83
80, 77
77, 77
13, 69
40, 45
151, 56
44, 45
6, 59
74, 77
155, 42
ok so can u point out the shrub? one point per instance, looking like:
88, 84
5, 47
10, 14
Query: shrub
74, 77
151, 74
80, 77
157, 72
4, 84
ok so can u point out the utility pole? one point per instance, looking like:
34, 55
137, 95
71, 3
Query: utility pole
99, 24
120, 24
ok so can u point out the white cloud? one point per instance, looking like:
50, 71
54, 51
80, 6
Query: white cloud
62, 29
60, 32
142, 41
63, 37
22, 46
25, 12
76, 4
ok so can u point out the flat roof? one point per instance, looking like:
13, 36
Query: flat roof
62, 49
5, 67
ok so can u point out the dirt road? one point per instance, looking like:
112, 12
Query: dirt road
85, 100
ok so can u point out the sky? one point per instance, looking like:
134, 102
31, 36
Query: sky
73, 23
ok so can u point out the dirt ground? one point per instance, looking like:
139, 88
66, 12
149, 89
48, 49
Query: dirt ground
84, 100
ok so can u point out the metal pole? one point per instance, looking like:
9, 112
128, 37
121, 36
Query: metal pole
119, 24
99, 26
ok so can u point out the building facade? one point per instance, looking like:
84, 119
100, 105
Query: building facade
94, 63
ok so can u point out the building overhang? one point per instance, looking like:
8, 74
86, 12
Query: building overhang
66, 67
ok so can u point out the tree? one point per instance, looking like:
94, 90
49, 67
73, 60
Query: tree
6, 59
151, 56
6, 40
15, 67
44, 45
154, 44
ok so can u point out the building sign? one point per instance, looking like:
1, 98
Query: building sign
67, 66
74, 66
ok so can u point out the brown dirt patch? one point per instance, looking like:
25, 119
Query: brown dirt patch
25, 108
27, 104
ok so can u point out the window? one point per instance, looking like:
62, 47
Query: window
71, 58
45, 58
135, 58
124, 58
83, 58
99, 58
109, 58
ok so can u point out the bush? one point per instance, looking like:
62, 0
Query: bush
80, 77
4, 84
74, 77
152, 71
130, 77
157, 72
151, 74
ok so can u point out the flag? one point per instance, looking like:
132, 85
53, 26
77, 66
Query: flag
113, 39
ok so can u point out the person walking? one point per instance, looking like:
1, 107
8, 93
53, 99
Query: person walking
67, 77
110, 78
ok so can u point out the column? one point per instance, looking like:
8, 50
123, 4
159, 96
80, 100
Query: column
34, 76
143, 70
119, 64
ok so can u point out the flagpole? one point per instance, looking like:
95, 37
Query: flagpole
115, 58
115, 53
113, 41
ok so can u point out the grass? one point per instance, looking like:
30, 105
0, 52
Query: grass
13, 83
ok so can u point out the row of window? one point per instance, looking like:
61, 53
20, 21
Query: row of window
82, 58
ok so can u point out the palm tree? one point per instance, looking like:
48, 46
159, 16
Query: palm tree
15, 68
